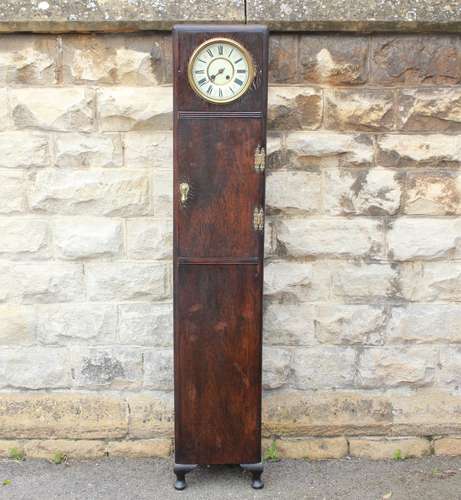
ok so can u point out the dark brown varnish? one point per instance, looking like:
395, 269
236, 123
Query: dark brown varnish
218, 260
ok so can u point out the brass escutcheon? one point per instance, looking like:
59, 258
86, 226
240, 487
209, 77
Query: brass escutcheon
184, 189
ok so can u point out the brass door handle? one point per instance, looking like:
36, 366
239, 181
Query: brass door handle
184, 189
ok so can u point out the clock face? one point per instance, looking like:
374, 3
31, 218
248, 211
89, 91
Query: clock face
220, 70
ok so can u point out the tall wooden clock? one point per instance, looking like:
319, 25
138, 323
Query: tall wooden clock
220, 102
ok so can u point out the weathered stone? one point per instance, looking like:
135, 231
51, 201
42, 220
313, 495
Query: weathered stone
397, 366
4, 115
433, 193
17, 325
92, 192
67, 416
151, 414
70, 109
24, 238
425, 324
23, 149
349, 324
363, 282
146, 324
294, 108
412, 60
158, 369
436, 150
422, 238
109, 368
276, 367
80, 449
140, 449
312, 448
41, 282
134, 108
450, 446
28, 59
431, 281
368, 109
323, 367
7, 446
88, 150
149, 238
289, 324
328, 149
127, 281
333, 59
375, 191
76, 323
357, 237
282, 61
34, 368
382, 448
293, 192
430, 110
275, 155
149, 149
83, 237
450, 366
12, 192
163, 193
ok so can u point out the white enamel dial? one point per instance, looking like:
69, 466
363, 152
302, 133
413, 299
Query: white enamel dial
220, 70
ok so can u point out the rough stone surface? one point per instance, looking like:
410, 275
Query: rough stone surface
378, 449
276, 367
24, 238
17, 325
140, 448
23, 149
78, 449
151, 415
158, 369
149, 149
448, 446
12, 192
149, 238
312, 449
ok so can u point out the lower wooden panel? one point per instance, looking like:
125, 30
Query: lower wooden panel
218, 363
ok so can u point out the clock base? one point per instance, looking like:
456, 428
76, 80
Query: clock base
181, 470
256, 470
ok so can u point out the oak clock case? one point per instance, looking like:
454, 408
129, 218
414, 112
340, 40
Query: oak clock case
220, 102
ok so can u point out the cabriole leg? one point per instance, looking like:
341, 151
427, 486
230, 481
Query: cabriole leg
181, 470
256, 471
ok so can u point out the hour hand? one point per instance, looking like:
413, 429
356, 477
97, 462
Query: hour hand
212, 77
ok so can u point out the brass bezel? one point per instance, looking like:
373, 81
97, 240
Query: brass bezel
245, 52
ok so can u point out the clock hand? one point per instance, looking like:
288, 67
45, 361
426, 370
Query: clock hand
212, 77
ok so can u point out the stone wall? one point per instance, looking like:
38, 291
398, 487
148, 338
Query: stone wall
362, 329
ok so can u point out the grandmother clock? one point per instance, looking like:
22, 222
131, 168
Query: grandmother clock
220, 101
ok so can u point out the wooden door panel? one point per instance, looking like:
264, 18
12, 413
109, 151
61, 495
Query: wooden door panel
218, 363
217, 161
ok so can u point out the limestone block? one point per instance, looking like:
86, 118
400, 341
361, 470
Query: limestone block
342, 237
294, 108
81, 449
146, 324
149, 238
135, 108
368, 109
34, 368
57, 108
329, 149
62, 415
293, 192
76, 323
27, 59
381, 367
275, 155
349, 324
289, 324
6, 446
41, 282
312, 448
143, 448
24, 238
12, 192
162, 188
425, 324
435, 150
334, 59
88, 150
323, 367
450, 445
127, 281
151, 414
385, 448
4, 116
282, 65
376, 191
423, 238
450, 366
17, 325
149, 149
109, 368
85, 237
92, 192
158, 369
23, 149
276, 367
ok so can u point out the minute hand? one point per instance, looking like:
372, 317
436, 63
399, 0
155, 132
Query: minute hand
212, 77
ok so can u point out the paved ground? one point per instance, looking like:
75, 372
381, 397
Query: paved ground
429, 478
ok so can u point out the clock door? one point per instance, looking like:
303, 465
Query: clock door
218, 259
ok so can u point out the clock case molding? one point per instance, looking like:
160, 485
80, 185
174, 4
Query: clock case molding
218, 261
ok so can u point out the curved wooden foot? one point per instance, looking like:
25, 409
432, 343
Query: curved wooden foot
256, 471
181, 470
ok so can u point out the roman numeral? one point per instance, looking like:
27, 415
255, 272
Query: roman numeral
202, 61
209, 52
238, 82
202, 82
238, 60
231, 50
232, 90
220, 93
241, 71
220, 49
209, 89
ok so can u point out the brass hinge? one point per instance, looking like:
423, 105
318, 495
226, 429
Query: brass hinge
258, 219
260, 159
